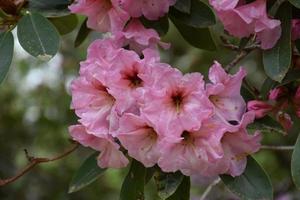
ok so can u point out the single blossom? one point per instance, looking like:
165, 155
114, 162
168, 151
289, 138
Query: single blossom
151, 9
224, 93
138, 38
140, 139
192, 152
260, 108
237, 145
110, 156
103, 15
242, 20
179, 103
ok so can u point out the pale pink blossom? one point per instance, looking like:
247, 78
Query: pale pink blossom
138, 38
103, 15
110, 156
178, 104
224, 93
192, 152
151, 9
140, 139
260, 108
237, 145
242, 20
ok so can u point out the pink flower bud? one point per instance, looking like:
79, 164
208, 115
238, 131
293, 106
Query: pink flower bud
285, 120
277, 93
259, 107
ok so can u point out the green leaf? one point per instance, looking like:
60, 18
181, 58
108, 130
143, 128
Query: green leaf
88, 172
183, 191
200, 16
38, 36
266, 87
198, 37
295, 166
6, 53
133, 185
278, 59
183, 6
253, 184
50, 8
83, 32
161, 25
167, 183
65, 24
296, 3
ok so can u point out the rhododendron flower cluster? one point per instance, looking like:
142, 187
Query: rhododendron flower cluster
159, 115
242, 20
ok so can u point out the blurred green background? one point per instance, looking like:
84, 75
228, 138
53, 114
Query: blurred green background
35, 114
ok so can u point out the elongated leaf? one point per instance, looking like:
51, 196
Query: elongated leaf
133, 185
88, 172
6, 53
167, 183
65, 24
200, 16
295, 166
83, 32
50, 8
38, 36
278, 59
183, 6
183, 191
296, 3
253, 184
198, 37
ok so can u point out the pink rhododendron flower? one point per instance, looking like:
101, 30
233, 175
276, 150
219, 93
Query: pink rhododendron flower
138, 38
260, 108
224, 93
192, 152
140, 139
246, 19
237, 145
103, 15
151, 9
179, 104
109, 156
295, 29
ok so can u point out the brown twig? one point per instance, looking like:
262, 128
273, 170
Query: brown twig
242, 54
34, 162
278, 148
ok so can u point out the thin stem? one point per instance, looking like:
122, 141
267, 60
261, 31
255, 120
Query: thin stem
278, 148
242, 54
208, 189
35, 161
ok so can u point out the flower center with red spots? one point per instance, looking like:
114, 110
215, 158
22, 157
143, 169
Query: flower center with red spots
177, 100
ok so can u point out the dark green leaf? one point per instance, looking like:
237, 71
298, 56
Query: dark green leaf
83, 32
198, 37
149, 173
6, 53
133, 185
183, 6
296, 3
38, 36
295, 166
292, 75
266, 87
50, 8
201, 15
297, 44
278, 59
183, 191
88, 172
167, 183
65, 24
161, 25
253, 184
